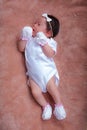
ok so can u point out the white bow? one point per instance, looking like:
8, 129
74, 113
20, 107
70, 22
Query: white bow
47, 18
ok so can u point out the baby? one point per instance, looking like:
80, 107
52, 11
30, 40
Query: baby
39, 48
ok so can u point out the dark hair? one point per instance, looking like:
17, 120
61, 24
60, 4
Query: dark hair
55, 25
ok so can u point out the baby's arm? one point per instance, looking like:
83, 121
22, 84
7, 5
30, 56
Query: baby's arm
48, 51
22, 45
43, 41
25, 35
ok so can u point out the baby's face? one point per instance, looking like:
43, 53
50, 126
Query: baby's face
40, 26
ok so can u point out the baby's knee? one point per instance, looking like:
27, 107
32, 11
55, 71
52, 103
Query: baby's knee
36, 92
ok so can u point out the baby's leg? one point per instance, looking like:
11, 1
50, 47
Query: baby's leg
59, 110
37, 93
53, 91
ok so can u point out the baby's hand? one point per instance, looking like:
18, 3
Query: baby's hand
26, 33
41, 38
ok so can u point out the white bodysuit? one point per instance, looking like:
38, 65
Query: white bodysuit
40, 68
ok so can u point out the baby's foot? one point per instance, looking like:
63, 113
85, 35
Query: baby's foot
59, 112
47, 112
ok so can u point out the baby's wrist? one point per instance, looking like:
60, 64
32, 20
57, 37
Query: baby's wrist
43, 44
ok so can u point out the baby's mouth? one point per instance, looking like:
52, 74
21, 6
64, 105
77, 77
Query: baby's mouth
34, 32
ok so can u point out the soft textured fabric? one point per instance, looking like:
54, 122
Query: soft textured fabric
47, 112
39, 67
59, 112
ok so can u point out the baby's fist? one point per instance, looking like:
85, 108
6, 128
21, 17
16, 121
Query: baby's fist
41, 38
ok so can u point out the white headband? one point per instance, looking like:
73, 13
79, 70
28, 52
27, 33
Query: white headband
48, 20
46, 16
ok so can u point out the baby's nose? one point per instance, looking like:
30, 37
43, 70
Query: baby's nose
35, 25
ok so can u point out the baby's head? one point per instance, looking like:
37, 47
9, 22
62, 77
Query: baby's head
52, 24
48, 24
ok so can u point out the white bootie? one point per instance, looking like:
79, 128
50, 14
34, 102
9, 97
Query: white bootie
47, 112
59, 112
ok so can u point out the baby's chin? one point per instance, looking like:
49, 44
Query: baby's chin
34, 34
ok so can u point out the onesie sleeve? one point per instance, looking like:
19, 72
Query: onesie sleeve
26, 33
